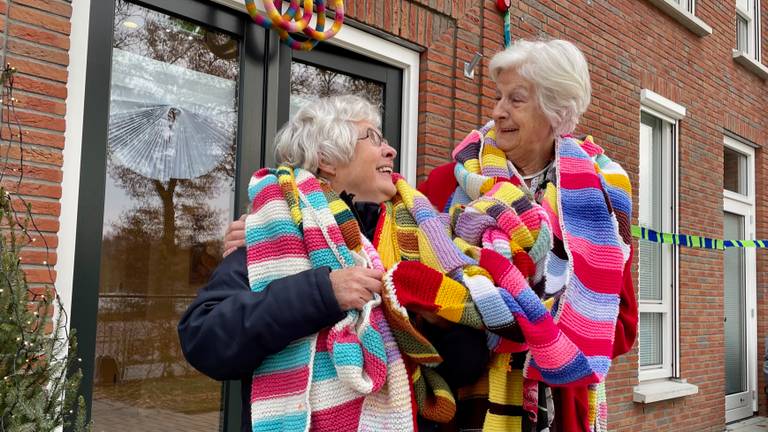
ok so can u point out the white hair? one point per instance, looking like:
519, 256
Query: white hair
559, 73
324, 130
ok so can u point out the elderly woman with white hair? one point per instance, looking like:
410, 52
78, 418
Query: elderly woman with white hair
295, 315
543, 89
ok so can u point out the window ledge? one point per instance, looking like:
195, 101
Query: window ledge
662, 390
751, 64
687, 19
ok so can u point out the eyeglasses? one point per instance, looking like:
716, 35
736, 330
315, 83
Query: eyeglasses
376, 138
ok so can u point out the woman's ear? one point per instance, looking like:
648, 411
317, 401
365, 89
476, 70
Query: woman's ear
326, 170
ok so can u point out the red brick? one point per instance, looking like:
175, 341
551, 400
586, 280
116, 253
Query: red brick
47, 21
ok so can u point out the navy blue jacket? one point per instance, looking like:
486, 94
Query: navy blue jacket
228, 330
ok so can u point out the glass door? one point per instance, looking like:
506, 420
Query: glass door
170, 192
179, 112
739, 283
738, 399
329, 70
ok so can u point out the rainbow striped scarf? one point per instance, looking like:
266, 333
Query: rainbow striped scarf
432, 261
569, 338
350, 376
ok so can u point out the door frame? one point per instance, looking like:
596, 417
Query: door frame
744, 205
92, 180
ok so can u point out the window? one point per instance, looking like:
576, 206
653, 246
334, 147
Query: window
748, 28
657, 210
684, 12
686, 5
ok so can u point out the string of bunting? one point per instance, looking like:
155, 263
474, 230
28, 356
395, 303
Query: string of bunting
692, 241
296, 19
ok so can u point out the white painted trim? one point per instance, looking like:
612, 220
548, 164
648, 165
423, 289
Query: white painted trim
662, 390
751, 64
376, 48
687, 19
70, 185
744, 205
662, 105
669, 305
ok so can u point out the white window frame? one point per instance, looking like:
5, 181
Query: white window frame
670, 113
744, 205
749, 10
684, 12
366, 44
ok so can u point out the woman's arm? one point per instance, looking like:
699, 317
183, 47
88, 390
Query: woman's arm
228, 330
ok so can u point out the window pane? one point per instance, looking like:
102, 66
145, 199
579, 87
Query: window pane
742, 34
651, 339
650, 266
650, 213
311, 81
168, 199
734, 281
734, 171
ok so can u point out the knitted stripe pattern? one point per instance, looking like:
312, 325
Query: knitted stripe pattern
589, 209
438, 282
347, 377
413, 243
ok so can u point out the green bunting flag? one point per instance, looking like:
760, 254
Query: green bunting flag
691, 241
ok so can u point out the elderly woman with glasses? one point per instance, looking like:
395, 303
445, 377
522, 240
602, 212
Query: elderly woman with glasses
543, 88
296, 315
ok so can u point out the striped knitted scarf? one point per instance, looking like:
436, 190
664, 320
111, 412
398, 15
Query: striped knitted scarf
432, 260
570, 337
347, 377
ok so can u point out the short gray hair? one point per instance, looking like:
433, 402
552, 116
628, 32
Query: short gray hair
324, 130
559, 73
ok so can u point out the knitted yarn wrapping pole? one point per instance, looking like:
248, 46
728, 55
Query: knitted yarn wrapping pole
507, 33
296, 19
503, 7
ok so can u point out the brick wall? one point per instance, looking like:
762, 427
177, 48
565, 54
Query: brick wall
35, 40
630, 45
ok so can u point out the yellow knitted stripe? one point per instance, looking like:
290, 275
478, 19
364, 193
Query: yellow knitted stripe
618, 180
427, 255
593, 407
505, 386
550, 196
451, 297
473, 166
387, 247
502, 423
337, 206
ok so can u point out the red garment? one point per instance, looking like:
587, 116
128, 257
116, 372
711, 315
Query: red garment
571, 403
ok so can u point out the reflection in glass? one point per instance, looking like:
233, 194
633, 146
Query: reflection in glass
309, 82
735, 310
734, 171
169, 196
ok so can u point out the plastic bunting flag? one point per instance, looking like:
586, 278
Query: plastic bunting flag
691, 241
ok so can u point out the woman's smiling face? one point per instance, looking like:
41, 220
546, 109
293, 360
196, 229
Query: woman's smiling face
369, 174
520, 122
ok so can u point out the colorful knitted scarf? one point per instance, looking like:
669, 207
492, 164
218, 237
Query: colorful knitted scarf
569, 338
350, 376
432, 262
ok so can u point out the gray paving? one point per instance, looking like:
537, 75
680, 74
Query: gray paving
752, 424
113, 416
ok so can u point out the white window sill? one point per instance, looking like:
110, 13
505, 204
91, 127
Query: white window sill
662, 390
690, 21
751, 64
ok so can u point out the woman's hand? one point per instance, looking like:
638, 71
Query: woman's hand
235, 236
355, 286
